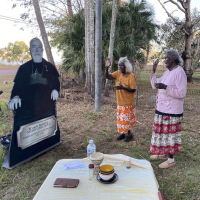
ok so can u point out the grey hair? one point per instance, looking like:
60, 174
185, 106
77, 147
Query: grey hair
177, 58
36, 39
125, 61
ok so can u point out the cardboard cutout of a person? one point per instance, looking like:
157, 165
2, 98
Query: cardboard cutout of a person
33, 101
36, 87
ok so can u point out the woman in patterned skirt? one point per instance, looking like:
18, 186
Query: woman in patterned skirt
172, 88
125, 92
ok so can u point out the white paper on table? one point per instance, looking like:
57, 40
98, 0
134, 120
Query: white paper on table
73, 165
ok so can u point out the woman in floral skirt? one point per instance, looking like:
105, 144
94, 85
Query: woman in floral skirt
125, 92
172, 88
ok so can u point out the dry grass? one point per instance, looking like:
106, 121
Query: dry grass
79, 122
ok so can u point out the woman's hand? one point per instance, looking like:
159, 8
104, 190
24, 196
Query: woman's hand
160, 86
155, 64
107, 62
120, 87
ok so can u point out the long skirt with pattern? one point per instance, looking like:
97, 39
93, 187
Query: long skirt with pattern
166, 136
126, 118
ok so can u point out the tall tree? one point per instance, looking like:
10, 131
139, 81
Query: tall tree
69, 6
98, 54
91, 58
52, 10
171, 36
135, 25
89, 46
130, 35
188, 29
43, 31
15, 52
112, 39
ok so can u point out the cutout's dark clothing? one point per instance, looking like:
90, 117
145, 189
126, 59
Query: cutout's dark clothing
34, 83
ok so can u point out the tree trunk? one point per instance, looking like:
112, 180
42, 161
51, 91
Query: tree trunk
87, 47
91, 61
188, 40
187, 29
43, 31
111, 44
98, 52
188, 59
69, 6
82, 74
147, 56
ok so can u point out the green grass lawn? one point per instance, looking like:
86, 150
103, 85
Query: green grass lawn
196, 75
78, 123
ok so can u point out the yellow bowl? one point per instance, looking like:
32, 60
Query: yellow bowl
106, 168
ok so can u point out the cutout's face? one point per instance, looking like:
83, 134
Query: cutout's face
36, 50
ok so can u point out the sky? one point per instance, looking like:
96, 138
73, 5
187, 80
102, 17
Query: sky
10, 31
160, 13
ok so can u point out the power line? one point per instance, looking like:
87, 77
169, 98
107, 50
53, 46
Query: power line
16, 20
19, 21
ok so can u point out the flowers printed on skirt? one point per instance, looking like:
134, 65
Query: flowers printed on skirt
126, 118
166, 136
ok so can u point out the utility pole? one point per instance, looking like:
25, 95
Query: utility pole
98, 53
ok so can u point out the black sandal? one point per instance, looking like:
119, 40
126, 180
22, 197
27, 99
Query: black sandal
121, 137
128, 138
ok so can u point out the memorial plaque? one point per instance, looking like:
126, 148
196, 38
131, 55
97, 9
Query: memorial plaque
37, 131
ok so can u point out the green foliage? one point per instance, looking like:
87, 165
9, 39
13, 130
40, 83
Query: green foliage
109, 137
92, 116
134, 31
3, 109
172, 36
156, 55
5, 128
51, 10
71, 41
2, 153
15, 52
